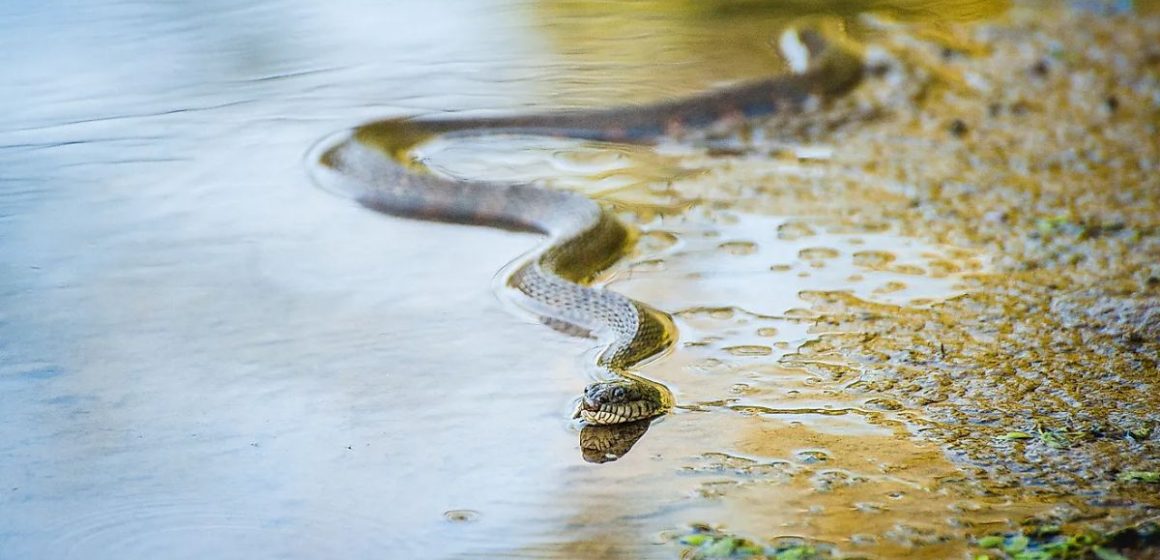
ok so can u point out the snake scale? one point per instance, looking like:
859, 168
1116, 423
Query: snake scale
372, 164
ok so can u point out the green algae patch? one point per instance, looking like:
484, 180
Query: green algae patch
706, 543
1049, 542
1032, 542
1016, 436
1151, 477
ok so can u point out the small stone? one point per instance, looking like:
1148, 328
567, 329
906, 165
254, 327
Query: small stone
958, 128
1040, 68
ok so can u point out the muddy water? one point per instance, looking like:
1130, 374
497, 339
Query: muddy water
202, 355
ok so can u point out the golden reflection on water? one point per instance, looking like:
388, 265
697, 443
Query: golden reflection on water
686, 45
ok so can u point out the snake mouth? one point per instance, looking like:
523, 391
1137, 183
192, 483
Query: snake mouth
603, 414
617, 402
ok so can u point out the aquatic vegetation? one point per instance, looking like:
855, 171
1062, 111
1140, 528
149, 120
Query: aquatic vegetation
1048, 542
706, 543
1141, 476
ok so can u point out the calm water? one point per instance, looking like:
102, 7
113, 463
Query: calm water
204, 356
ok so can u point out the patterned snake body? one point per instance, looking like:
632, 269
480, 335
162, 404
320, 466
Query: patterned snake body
372, 165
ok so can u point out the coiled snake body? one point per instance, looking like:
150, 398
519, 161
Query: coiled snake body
372, 165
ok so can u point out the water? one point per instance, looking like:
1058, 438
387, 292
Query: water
202, 355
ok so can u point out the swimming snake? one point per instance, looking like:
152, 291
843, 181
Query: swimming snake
372, 164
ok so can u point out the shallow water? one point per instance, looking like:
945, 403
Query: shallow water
203, 355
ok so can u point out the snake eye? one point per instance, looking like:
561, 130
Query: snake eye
618, 393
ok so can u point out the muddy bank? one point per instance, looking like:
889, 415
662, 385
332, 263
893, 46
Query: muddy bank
1034, 141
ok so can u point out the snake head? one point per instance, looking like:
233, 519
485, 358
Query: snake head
619, 401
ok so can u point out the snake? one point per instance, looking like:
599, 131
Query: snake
374, 165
